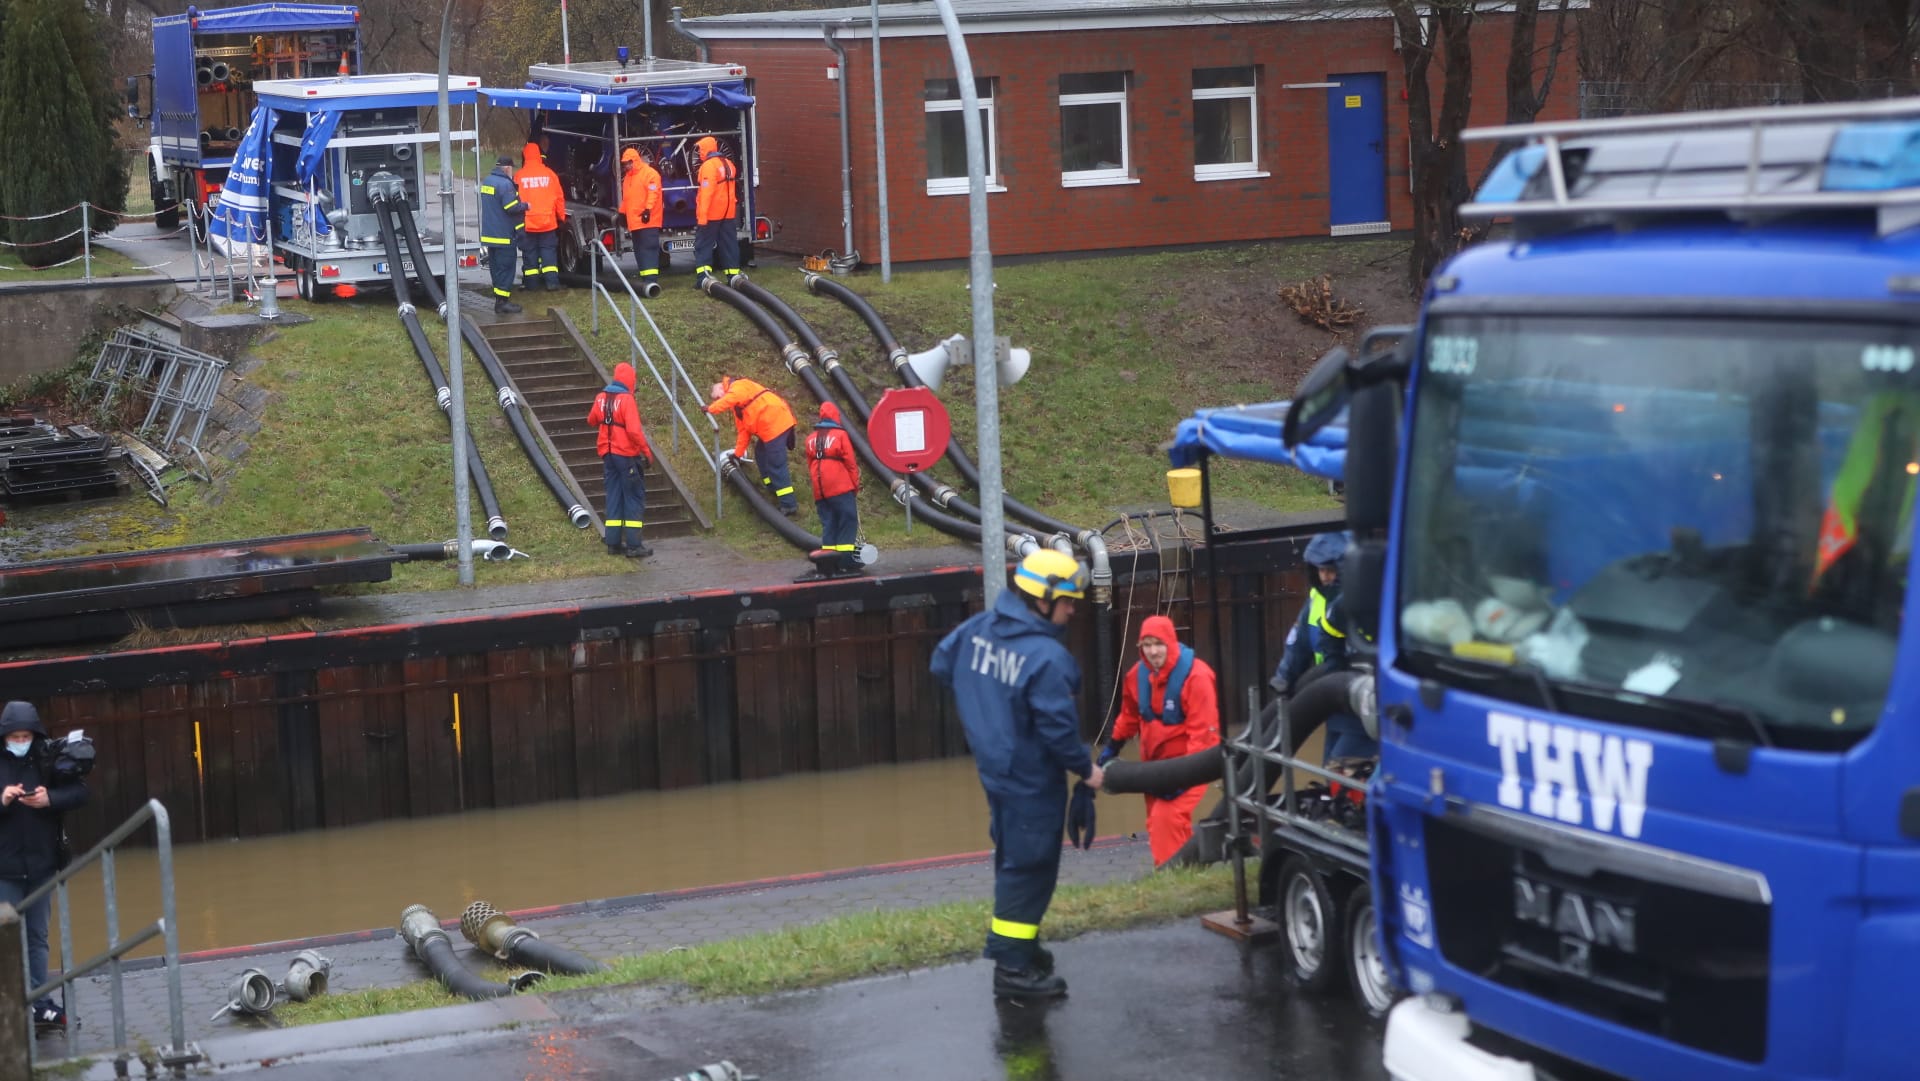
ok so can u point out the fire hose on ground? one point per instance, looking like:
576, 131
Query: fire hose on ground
495, 932
443, 396
434, 947
509, 402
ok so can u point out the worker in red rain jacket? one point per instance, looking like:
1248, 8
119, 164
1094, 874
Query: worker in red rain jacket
1170, 699
546, 208
836, 485
624, 459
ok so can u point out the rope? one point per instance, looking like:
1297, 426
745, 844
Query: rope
50, 266
40, 243
43, 217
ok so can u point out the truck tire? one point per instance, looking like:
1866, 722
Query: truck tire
1310, 925
1367, 975
166, 210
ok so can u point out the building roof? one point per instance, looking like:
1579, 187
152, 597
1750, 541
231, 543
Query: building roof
920, 19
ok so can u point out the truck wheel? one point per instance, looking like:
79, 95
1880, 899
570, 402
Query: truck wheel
1366, 967
1310, 924
303, 282
166, 211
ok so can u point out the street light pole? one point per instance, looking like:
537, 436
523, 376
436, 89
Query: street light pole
986, 375
462, 511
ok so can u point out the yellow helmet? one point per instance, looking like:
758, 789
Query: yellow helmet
1047, 574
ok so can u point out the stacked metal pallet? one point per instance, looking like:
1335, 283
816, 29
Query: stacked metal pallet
39, 460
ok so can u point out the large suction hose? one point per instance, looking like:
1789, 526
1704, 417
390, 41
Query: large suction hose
435, 949
796, 361
495, 932
443, 396
503, 386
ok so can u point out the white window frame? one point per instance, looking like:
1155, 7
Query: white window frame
957, 185
1089, 178
1235, 170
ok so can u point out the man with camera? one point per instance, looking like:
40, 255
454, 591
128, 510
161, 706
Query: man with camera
35, 791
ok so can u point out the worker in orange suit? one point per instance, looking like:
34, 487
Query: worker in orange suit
765, 418
643, 204
716, 206
1171, 700
546, 209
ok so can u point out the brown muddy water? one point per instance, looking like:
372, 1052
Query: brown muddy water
325, 881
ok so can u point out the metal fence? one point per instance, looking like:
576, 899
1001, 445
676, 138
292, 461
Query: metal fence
1608, 99
178, 1054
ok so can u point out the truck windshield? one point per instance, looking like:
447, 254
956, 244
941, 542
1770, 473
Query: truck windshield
1698, 525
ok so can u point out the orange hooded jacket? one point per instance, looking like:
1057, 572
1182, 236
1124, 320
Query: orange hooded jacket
1199, 726
758, 413
640, 198
716, 201
617, 419
540, 190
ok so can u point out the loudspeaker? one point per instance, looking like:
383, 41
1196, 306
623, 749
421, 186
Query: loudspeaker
931, 366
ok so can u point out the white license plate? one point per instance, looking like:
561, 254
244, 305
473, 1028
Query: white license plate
679, 245
406, 267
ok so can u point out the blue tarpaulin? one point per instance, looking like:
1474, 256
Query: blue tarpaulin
1252, 432
265, 18
239, 223
558, 101
731, 93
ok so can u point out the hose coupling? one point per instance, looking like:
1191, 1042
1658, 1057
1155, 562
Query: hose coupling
252, 993
897, 357
579, 516
1060, 542
526, 981
492, 930
943, 495
444, 398
902, 492
497, 527
407, 308
507, 398
828, 357
441, 311
812, 280
307, 975
417, 927
795, 358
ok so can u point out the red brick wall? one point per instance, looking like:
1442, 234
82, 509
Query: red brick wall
800, 149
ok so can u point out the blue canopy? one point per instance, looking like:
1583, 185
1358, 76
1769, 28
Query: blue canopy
239, 223
263, 18
362, 92
1252, 433
731, 93
557, 101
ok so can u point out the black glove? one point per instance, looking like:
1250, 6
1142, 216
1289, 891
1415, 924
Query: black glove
646, 216
1080, 819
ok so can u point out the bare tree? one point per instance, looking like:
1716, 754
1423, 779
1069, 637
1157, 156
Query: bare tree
1439, 160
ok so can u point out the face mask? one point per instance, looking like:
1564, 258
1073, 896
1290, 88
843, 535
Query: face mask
19, 750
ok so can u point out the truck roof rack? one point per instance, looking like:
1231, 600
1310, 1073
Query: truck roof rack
642, 72
1745, 163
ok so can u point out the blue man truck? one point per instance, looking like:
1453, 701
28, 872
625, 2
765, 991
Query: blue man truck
205, 65
585, 114
1633, 520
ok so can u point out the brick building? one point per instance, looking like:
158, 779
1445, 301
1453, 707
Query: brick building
1110, 123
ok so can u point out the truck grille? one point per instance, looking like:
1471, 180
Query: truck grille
1687, 966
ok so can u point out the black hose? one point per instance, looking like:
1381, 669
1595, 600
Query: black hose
489, 503
411, 235
942, 495
508, 401
758, 316
1166, 775
437, 953
756, 497
896, 356
530, 951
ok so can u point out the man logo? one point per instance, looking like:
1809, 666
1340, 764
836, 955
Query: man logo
1615, 770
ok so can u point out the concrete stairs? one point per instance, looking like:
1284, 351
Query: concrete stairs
557, 376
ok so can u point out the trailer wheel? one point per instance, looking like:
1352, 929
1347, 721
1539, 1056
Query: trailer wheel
166, 210
1310, 923
1367, 972
304, 284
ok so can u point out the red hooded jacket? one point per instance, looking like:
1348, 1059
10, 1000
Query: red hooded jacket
830, 462
617, 419
1199, 726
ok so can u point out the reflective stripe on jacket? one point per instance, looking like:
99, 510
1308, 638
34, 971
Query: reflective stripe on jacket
502, 215
717, 200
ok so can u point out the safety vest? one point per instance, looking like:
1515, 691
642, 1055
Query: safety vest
1169, 712
1317, 617
1865, 462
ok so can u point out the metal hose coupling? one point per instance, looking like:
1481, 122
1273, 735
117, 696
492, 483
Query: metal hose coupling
897, 357
418, 926
444, 398
307, 975
795, 358
1060, 542
902, 492
491, 929
406, 308
827, 357
497, 527
252, 993
579, 516
507, 398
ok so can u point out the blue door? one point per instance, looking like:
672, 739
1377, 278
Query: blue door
1357, 153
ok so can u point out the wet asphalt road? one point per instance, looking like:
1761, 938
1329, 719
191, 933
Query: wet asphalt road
1173, 1001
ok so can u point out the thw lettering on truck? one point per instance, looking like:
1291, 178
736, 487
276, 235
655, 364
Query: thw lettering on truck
1560, 756
999, 662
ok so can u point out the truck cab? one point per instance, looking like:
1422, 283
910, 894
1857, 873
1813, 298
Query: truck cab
1635, 507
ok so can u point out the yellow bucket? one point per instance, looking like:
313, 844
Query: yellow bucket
1183, 487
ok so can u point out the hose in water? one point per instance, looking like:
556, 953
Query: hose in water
509, 403
495, 932
496, 523
796, 361
435, 949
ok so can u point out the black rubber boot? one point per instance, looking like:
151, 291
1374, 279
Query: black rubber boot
1026, 983
503, 306
639, 551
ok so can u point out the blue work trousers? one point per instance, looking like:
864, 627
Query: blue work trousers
839, 524
12, 892
646, 252
716, 249
626, 500
501, 261
771, 460
539, 258
1026, 832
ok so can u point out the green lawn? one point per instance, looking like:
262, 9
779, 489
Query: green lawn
352, 436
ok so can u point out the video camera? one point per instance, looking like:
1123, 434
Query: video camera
71, 756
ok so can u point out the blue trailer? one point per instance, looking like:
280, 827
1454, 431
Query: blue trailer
205, 67
583, 115
1633, 509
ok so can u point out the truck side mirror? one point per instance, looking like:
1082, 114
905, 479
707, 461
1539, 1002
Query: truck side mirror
133, 96
1362, 575
1373, 448
1321, 397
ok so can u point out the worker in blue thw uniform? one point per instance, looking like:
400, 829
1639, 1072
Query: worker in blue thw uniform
503, 221
1014, 682
1319, 638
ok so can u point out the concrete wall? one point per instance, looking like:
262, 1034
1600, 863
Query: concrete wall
799, 133
42, 326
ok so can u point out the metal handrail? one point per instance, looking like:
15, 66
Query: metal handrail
678, 368
179, 1052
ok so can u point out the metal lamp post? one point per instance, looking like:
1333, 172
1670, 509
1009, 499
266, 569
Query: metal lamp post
462, 511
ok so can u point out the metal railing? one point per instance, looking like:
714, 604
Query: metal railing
668, 387
178, 1053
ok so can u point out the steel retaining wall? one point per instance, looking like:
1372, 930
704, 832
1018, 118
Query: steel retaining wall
316, 730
